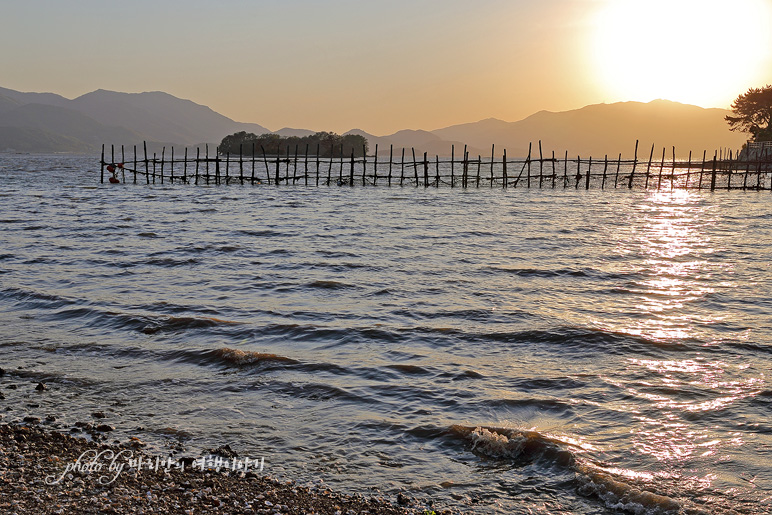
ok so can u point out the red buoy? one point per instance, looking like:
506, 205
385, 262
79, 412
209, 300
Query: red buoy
114, 180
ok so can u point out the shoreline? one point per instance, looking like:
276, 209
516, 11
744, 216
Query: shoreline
38, 474
45, 470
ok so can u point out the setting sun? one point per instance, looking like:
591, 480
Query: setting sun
697, 52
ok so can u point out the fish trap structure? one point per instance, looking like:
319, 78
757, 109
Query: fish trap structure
749, 169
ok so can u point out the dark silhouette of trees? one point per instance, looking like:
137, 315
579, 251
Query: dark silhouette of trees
753, 113
329, 144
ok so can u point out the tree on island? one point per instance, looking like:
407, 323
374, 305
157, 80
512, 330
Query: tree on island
328, 144
753, 112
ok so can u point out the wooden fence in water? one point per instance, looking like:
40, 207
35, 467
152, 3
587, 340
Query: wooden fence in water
748, 170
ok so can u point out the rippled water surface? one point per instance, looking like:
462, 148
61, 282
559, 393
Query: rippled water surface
541, 351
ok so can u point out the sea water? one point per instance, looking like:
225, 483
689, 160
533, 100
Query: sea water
494, 351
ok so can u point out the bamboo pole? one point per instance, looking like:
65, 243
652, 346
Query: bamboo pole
415, 167
635, 163
253, 164
541, 166
351, 172
305, 167
294, 166
747, 168
648, 167
437, 167
452, 164
672, 175
492, 159
198, 153
605, 169
426, 171
465, 169
661, 166
554, 174
504, 170
340, 172
619, 165
375, 166
241, 163
565, 171
402, 167
479, 164
391, 156
578, 171
713, 173
123, 170
102, 174
589, 174
364, 165
227, 165
318, 150
329, 167
267, 169
135, 164
528, 165
702, 168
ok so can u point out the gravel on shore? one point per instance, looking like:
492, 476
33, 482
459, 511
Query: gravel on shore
46, 472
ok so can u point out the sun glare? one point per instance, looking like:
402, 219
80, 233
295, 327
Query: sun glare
702, 52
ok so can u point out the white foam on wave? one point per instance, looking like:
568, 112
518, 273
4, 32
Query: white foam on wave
616, 488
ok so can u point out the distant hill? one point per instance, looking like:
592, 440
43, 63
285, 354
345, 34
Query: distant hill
45, 122
600, 129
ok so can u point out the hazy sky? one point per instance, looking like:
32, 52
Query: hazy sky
386, 65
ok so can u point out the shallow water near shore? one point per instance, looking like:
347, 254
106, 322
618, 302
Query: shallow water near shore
520, 351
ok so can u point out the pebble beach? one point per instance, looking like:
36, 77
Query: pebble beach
50, 471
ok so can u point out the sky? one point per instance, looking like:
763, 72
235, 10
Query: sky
382, 66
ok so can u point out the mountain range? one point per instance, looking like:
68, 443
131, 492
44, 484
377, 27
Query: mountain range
46, 122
